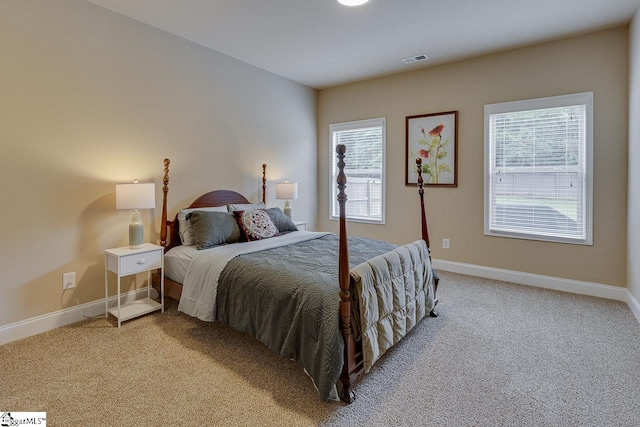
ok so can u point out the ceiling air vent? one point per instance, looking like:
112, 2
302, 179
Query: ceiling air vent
417, 58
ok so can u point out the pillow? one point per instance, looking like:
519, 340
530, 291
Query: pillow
184, 226
213, 228
282, 222
255, 224
245, 207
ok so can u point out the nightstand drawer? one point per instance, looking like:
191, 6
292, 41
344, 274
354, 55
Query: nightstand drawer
137, 263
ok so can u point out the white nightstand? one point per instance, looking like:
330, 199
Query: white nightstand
302, 226
124, 262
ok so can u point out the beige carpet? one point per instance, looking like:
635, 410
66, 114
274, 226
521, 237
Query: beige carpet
499, 354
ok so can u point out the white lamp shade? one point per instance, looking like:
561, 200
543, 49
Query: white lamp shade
136, 196
287, 190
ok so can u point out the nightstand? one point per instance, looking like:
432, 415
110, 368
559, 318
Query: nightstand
302, 226
125, 262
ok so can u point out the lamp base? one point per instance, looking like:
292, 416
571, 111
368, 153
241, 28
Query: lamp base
287, 209
136, 231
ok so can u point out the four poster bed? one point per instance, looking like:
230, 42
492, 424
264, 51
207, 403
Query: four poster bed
335, 319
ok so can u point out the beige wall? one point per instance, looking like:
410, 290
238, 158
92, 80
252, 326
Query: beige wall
596, 62
633, 216
89, 99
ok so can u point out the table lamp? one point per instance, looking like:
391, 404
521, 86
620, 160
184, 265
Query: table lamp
287, 190
136, 196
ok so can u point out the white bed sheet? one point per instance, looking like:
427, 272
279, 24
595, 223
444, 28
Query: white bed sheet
177, 261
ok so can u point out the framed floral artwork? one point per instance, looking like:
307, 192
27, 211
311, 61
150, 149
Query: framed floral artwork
434, 139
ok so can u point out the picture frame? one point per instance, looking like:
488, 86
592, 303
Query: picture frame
434, 138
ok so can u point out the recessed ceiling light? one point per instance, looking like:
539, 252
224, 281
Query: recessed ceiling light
353, 2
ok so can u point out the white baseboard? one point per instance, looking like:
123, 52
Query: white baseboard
549, 282
633, 305
46, 322
559, 284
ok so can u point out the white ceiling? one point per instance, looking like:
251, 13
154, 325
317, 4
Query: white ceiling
320, 43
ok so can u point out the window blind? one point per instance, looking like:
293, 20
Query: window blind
364, 168
539, 169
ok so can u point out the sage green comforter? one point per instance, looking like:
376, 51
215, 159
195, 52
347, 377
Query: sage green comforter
393, 292
287, 297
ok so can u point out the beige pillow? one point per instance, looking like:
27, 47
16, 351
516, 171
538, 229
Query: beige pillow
246, 207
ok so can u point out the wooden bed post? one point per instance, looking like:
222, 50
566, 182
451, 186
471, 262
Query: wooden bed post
425, 231
165, 190
349, 369
264, 183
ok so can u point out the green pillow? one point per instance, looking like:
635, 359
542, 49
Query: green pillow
213, 228
282, 222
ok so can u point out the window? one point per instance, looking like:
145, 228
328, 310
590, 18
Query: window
364, 168
539, 169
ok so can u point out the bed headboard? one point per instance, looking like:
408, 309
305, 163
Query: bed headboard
210, 199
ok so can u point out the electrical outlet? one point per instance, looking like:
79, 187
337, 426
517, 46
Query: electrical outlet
445, 243
68, 280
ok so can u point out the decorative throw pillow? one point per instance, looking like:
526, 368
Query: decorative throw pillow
213, 228
282, 222
184, 226
245, 207
255, 224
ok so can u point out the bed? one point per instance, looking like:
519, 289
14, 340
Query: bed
298, 293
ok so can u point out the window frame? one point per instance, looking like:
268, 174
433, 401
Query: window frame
333, 190
584, 98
